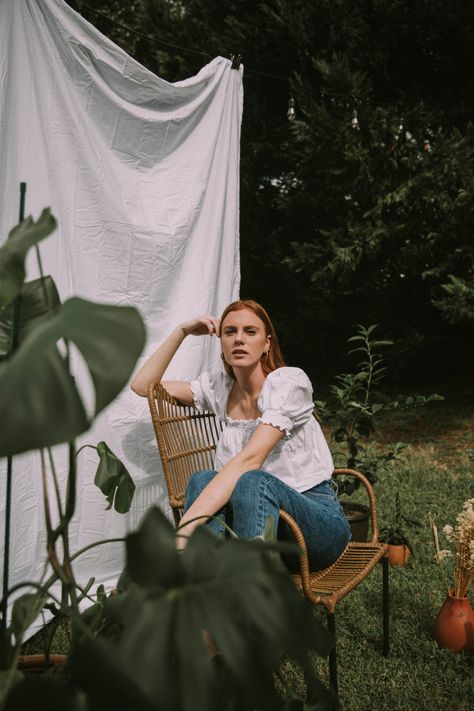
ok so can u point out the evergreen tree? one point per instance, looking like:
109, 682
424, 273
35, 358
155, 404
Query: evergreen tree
346, 217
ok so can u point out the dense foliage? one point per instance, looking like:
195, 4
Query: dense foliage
371, 223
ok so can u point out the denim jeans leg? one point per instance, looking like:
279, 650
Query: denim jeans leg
327, 530
197, 482
259, 494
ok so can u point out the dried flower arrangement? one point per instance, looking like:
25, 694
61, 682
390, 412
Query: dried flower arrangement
462, 536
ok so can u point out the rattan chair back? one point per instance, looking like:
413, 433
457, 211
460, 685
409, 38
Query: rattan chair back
186, 440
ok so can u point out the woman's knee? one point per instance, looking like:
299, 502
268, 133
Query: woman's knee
248, 484
197, 483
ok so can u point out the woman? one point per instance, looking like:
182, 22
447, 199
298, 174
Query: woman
272, 453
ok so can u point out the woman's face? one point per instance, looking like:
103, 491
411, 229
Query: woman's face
243, 338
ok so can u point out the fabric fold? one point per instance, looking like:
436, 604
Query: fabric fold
143, 177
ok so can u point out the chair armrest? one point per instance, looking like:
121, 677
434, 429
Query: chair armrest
371, 497
296, 531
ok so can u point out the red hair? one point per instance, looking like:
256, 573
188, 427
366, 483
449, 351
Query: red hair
274, 359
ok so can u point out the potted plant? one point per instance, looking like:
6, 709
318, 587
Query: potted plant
355, 405
399, 547
454, 625
144, 647
40, 406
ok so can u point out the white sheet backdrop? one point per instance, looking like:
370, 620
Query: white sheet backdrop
142, 175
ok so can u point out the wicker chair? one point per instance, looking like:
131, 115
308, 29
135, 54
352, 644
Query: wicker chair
186, 442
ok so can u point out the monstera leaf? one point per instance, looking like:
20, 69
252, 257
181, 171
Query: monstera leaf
12, 254
39, 404
114, 480
38, 299
233, 592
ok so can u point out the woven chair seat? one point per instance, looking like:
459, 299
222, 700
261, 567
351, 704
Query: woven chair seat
326, 587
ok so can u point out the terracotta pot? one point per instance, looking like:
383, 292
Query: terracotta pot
398, 554
454, 626
36, 663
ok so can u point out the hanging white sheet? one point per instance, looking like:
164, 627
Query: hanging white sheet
142, 175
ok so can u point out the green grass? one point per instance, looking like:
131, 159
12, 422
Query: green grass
435, 476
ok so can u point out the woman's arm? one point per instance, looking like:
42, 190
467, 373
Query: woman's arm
152, 371
219, 490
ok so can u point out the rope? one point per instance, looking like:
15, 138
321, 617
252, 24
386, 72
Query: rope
151, 38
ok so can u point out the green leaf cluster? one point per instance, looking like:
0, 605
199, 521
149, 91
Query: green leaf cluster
205, 628
37, 300
356, 402
395, 534
12, 263
40, 404
457, 301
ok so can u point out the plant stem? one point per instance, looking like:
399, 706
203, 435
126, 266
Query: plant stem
434, 532
84, 446
37, 586
55, 482
94, 545
8, 493
50, 547
369, 372
43, 284
6, 552
44, 587
70, 494
69, 588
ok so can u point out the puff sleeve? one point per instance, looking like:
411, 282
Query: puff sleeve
210, 392
286, 400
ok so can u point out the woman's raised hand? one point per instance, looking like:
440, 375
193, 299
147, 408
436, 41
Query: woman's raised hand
201, 326
153, 369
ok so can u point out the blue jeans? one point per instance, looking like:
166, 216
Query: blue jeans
259, 494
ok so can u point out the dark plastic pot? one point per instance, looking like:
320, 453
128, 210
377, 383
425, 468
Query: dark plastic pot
358, 516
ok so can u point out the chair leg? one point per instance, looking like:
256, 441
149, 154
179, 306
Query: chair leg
386, 608
332, 654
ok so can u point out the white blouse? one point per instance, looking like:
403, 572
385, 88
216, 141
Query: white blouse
302, 458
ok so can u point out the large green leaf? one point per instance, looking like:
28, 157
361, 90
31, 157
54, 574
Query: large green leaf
237, 591
41, 692
7, 652
151, 554
114, 480
34, 309
39, 402
13, 253
26, 609
105, 679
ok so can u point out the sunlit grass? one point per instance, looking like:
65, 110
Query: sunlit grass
435, 477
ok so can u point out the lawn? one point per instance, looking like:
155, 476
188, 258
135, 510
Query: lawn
435, 476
